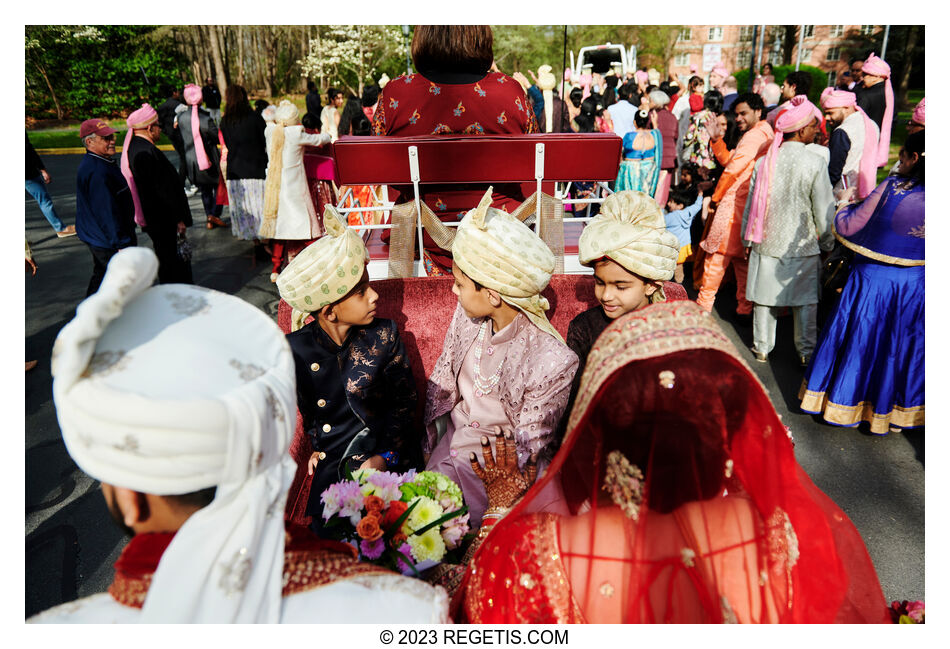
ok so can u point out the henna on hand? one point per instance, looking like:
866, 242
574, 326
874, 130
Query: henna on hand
504, 482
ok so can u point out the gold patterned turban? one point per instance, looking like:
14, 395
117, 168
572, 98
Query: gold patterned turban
501, 253
631, 231
325, 271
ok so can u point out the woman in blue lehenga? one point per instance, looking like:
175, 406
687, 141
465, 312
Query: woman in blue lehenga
869, 362
640, 168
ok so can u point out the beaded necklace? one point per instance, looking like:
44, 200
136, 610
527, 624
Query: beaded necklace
484, 386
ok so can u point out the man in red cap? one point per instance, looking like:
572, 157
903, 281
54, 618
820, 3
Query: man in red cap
104, 208
161, 207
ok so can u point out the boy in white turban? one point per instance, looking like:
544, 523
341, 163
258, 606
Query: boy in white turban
503, 365
355, 390
195, 465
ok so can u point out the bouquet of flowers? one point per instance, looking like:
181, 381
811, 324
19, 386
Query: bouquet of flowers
905, 612
407, 522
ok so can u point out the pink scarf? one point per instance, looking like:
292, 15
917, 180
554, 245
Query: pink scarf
867, 171
919, 112
876, 66
799, 114
139, 119
193, 98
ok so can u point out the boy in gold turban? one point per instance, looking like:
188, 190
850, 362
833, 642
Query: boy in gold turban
503, 365
355, 390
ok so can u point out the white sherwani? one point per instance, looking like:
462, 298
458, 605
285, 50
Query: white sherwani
376, 599
296, 214
783, 268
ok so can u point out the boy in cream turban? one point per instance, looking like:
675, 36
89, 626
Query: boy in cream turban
503, 365
355, 390
632, 254
194, 464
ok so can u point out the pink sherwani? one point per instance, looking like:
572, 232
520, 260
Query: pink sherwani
536, 372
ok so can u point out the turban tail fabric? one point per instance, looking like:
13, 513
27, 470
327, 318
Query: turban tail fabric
876, 66
631, 231
193, 98
867, 176
131, 417
798, 115
501, 253
325, 271
143, 117
919, 110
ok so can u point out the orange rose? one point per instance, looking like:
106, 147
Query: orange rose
396, 509
397, 540
373, 504
368, 528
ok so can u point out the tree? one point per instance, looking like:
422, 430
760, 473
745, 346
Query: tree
351, 54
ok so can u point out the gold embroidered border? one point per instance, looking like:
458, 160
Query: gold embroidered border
817, 402
557, 585
305, 571
130, 591
867, 252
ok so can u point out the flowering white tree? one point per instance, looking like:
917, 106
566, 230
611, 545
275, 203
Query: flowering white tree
351, 54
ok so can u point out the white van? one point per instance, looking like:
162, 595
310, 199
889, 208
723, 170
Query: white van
601, 58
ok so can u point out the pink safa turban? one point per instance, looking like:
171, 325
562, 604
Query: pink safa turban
721, 70
918, 116
867, 172
143, 117
193, 98
877, 67
798, 115
641, 76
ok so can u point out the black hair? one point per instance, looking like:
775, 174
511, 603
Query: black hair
915, 144
195, 499
624, 92
665, 87
593, 105
352, 110
695, 82
685, 195
611, 81
712, 101
333, 92
650, 89
750, 99
731, 136
585, 123
693, 170
370, 96
576, 95
641, 118
801, 80
310, 121
311, 86
610, 97
260, 105
167, 90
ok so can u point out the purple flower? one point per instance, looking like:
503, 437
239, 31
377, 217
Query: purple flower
331, 498
372, 549
351, 501
386, 485
405, 561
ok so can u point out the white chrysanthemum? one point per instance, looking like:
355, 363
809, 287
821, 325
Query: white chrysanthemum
427, 546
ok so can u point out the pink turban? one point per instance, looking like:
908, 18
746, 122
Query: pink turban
877, 67
867, 173
918, 116
799, 114
193, 98
641, 76
721, 70
141, 118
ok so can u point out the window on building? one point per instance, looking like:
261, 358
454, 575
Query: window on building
744, 59
832, 78
715, 34
809, 31
685, 34
834, 54
867, 30
805, 55
745, 32
836, 31
681, 59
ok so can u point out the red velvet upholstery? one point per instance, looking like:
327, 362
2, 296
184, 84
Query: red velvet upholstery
477, 158
422, 308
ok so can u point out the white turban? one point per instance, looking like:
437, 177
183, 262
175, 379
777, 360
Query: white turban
501, 253
176, 388
631, 231
325, 271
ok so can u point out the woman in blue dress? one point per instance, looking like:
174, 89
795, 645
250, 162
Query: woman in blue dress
642, 152
869, 362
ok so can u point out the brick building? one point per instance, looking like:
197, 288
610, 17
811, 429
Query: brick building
823, 46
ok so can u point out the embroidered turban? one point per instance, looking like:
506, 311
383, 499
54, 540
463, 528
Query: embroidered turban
171, 389
286, 114
867, 174
630, 230
325, 271
877, 67
141, 118
799, 114
918, 116
501, 253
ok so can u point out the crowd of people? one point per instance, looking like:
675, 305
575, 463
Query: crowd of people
609, 517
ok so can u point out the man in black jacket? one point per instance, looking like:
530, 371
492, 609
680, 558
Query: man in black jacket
166, 119
104, 208
211, 96
161, 196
